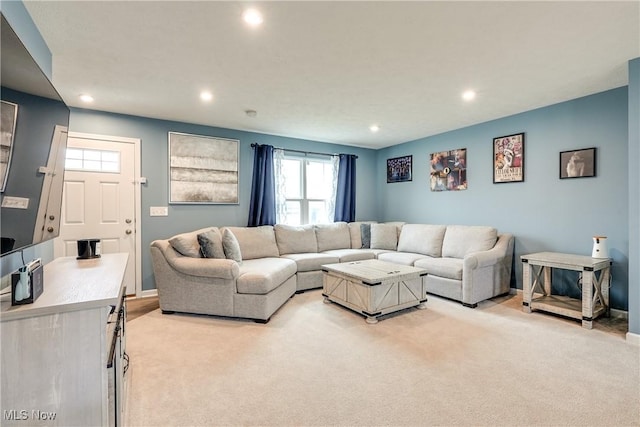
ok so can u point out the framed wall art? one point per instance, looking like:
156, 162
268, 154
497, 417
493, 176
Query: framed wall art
508, 158
400, 169
203, 169
7, 131
449, 170
578, 163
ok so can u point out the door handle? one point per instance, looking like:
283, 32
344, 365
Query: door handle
128, 231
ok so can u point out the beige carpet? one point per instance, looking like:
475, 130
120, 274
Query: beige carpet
319, 364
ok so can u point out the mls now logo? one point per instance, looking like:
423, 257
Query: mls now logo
23, 415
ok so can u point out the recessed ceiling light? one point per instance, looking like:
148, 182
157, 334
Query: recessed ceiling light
206, 96
86, 98
374, 128
468, 95
252, 17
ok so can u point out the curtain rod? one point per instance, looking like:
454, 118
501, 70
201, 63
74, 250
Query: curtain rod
254, 145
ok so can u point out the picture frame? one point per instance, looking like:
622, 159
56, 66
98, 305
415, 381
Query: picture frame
203, 169
400, 169
580, 163
8, 120
508, 158
448, 170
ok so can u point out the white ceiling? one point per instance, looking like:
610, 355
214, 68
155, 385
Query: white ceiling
326, 71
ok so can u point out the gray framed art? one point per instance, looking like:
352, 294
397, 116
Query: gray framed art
203, 169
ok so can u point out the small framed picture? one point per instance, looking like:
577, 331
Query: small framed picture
578, 163
508, 158
399, 169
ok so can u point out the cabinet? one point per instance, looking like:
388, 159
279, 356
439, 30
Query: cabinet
63, 357
596, 276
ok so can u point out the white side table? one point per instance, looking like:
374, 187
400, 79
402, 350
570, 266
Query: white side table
536, 278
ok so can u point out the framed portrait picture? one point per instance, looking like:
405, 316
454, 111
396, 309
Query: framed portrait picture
7, 132
203, 169
448, 170
400, 169
508, 158
578, 163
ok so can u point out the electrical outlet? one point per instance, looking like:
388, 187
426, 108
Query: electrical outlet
158, 211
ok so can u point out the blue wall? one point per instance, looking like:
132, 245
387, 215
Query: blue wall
153, 134
543, 212
634, 196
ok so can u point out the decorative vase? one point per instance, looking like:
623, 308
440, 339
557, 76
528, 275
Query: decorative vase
599, 247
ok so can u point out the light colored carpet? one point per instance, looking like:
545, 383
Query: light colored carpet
317, 364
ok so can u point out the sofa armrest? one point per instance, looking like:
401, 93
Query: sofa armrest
502, 249
201, 267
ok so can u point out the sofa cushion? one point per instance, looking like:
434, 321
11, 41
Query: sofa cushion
355, 232
422, 239
405, 258
450, 268
384, 236
350, 255
261, 276
187, 243
311, 261
332, 236
256, 242
231, 246
398, 225
461, 240
211, 244
295, 240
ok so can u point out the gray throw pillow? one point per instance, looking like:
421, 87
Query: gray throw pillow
231, 246
365, 233
211, 244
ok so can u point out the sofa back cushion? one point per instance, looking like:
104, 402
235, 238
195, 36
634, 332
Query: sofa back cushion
355, 232
256, 242
423, 239
296, 239
460, 240
384, 236
333, 236
187, 243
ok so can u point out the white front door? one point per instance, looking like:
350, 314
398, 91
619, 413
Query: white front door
99, 200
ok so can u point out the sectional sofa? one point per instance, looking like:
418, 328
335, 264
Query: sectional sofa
250, 272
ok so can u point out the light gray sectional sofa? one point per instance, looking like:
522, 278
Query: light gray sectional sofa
465, 263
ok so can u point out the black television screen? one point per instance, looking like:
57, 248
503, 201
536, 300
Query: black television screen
33, 141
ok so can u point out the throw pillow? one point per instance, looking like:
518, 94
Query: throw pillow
384, 236
187, 243
211, 244
231, 246
365, 233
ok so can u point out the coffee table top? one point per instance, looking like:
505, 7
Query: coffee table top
373, 271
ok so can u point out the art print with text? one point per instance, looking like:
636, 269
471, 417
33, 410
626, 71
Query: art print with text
508, 158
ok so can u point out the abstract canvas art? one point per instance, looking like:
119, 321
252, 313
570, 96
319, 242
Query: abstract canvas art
203, 169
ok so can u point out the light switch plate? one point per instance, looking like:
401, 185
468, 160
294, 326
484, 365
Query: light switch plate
158, 211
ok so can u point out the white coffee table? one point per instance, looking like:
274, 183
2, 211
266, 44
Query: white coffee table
374, 288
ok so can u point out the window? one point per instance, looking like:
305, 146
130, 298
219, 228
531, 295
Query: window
309, 190
80, 159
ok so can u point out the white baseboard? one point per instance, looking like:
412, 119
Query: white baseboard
633, 339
